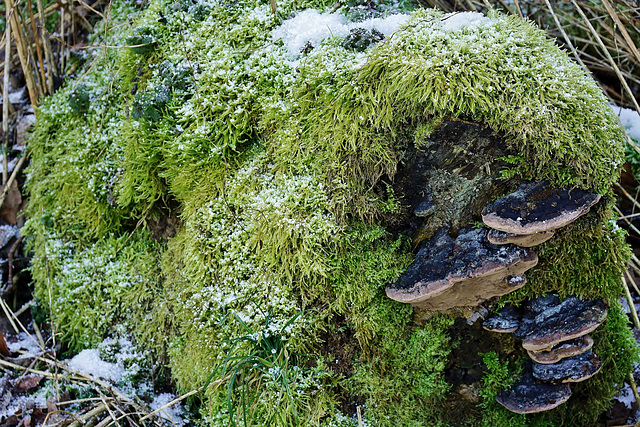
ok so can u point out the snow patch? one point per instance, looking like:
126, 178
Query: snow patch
89, 362
626, 396
458, 21
173, 413
23, 342
630, 121
311, 26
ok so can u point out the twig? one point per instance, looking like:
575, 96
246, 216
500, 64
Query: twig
36, 39
44, 12
15, 327
635, 215
71, 402
53, 330
94, 412
26, 306
11, 315
612, 63
23, 52
566, 37
518, 8
628, 196
48, 53
634, 387
634, 313
36, 329
5, 102
58, 411
633, 282
20, 367
111, 414
88, 6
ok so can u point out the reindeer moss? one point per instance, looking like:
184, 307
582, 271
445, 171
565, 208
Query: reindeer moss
274, 161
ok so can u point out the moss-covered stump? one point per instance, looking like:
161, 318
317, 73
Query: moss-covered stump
238, 189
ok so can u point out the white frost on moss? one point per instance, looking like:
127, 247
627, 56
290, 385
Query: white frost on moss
459, 21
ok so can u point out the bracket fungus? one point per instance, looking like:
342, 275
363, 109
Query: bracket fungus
460, 272
571, 369
570, 319
538, 208
506, 320
554, 335
527, 395
560, 351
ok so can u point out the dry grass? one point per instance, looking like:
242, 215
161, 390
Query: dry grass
111, 407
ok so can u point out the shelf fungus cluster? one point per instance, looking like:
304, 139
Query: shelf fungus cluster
479, 264
555, 335
530, 215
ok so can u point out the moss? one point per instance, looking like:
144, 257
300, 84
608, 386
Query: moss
276, 163
402, 377
500, 375
107, 283
425, 72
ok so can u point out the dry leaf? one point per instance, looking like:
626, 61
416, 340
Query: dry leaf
4, 350
12, 204
29, 381
25, 422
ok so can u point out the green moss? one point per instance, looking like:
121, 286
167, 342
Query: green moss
545, 105
274, 162
402, 376
94, 287
499, 376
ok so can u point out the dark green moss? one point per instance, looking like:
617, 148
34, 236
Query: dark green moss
402, 374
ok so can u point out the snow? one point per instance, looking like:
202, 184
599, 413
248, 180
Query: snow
458, 21
23, 342
173, 413
313, 27
626, 396
11, 164
89, 362
11, 404
630, 121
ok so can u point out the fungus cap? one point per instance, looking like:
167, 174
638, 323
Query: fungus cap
562, 350
449, 273
571, 369
498, 237
537, 207
506, 320
528, 396
572, 318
